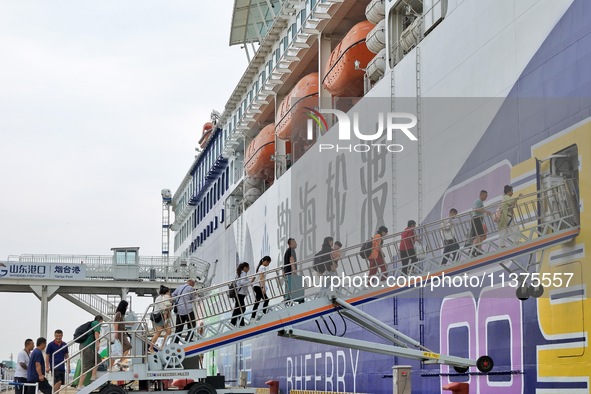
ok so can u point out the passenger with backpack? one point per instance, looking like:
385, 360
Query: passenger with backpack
322, 259
89, 355
376, 256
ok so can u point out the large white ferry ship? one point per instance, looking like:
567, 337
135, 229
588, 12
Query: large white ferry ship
471, 95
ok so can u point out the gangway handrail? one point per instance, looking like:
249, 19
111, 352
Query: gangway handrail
140, 331
541, 218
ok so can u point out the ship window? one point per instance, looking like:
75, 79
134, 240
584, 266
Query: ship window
498, 337
303, 16
277, 54
459, 339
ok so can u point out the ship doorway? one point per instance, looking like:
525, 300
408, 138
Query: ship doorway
560, 168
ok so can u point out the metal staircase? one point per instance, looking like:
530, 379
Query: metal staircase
95, 304
542, 219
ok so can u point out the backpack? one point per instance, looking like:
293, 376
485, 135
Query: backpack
320, 261
81, 334
365, 250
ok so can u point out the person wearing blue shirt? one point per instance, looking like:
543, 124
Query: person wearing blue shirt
36, 369
55, 354
183, 298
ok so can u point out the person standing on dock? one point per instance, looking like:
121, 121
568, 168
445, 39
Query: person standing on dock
22, 364
55, 355
36, 369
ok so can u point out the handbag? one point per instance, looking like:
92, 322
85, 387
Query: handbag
232, 291
156, 317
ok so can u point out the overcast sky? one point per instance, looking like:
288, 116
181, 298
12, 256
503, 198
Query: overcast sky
101, 106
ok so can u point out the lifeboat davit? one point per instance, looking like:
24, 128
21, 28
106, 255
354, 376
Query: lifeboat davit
257, 161
342, 79
292, 114
207, 129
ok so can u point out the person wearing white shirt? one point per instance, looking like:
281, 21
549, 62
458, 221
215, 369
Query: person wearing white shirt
22, 364
161, 316
449, 239
241, 292
259, 286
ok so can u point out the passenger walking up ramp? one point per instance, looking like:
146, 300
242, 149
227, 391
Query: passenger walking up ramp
542, 219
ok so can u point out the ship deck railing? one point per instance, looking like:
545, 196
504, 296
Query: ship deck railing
97, 267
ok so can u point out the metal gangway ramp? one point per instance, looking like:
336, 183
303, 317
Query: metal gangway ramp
542, 219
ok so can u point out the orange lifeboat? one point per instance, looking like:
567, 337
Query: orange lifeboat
342, 79
291, 113
257, 161
207, 129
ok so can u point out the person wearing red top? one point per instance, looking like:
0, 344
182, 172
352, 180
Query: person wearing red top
407, 246
376, 258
